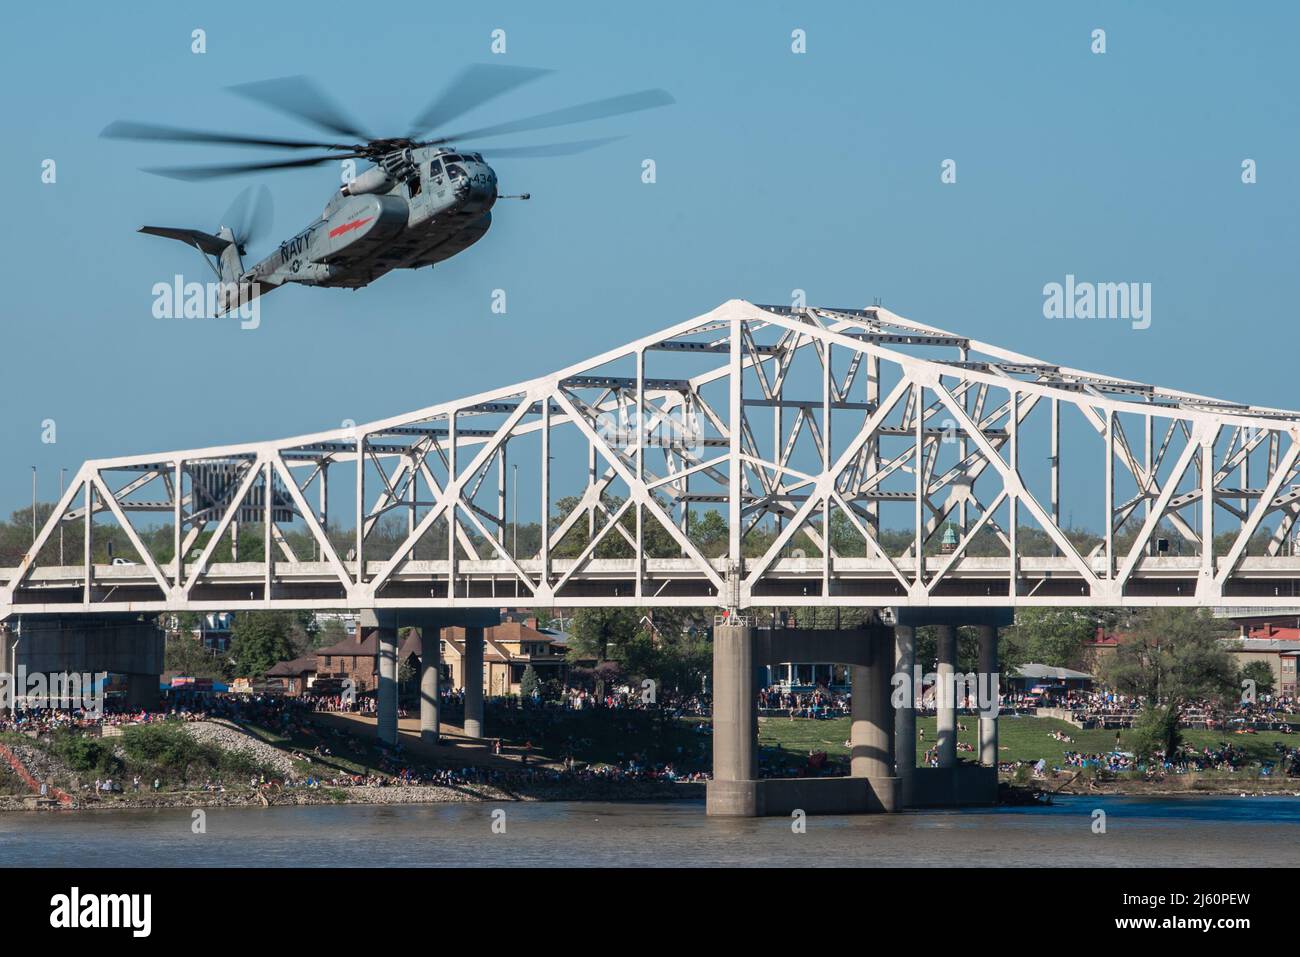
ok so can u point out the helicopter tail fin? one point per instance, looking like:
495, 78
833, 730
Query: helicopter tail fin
204, 242
224, 248
232, 264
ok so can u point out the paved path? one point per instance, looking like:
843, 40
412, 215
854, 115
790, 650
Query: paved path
454, 748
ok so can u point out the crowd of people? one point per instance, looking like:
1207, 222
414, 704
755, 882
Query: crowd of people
1110, 709
1225, 757
819, 703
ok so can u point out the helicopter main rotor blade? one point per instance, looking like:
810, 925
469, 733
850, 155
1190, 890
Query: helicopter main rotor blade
299, 96
595, 110
472, 87
544, 150
236, 169
128, 130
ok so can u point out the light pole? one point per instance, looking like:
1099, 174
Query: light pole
61, 488
33, 504
515, 509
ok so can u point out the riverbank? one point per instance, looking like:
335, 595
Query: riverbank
612, 792
219, 763
1174, 785
327, 759
363, 795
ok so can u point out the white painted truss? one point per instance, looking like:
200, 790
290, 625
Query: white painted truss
709, 464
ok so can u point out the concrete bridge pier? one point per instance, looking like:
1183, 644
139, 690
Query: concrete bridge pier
953, 783
988, 662
473, 679
905, 713
386, 691
386, 624
430, 675
945, 702
871, 729
735, 790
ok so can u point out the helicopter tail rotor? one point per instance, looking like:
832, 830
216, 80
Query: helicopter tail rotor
249, 217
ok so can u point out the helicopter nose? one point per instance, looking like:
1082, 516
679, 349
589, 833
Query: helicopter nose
483, 179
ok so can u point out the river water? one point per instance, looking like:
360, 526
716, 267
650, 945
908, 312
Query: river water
1187, 832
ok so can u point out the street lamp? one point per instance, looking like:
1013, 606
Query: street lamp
515, 509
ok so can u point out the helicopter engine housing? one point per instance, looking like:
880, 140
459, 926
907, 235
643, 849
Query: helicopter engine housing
373, 180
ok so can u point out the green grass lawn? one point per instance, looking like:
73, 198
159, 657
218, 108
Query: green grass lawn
1019, 738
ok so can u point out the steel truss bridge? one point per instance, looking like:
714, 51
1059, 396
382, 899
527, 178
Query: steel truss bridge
708, 464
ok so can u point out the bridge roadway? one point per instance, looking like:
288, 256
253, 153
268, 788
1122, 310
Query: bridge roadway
1264, 582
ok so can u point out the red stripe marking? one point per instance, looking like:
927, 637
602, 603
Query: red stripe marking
348, 227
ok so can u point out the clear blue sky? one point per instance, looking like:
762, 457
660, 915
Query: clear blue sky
775, 171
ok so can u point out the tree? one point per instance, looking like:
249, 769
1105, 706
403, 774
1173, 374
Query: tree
530, 685
260, 639
814, 616
1260, 673
600, 633
184, 655
187, 622
1053, 636
1169, 657
331, 634
1153, 731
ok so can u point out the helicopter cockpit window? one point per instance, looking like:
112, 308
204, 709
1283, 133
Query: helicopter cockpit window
435, 169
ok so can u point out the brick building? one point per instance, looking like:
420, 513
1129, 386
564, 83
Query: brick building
358, 658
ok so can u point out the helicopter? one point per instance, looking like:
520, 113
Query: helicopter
421, 201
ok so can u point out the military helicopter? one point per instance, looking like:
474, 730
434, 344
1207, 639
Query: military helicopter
420, 202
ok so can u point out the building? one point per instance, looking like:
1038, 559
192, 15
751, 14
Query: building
358, 659
1277, 646
1035, 677
799, 676
212, 629
294, 677
1100, 649
348, 620
508, 649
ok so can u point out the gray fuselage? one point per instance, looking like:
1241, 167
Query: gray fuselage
414, 208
